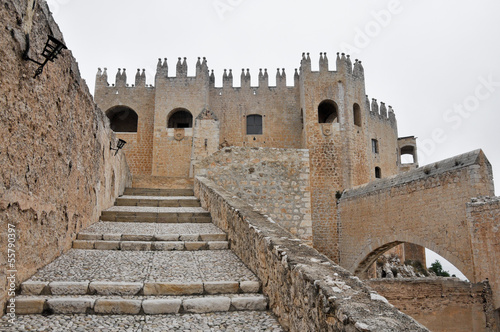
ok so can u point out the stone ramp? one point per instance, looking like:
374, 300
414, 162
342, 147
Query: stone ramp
142, 268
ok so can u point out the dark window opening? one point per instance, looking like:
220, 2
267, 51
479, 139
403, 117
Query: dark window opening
302, 118
357, 115
378, 173
254, 124
122, 119
407, 155
327, 112
180, 119
374, 146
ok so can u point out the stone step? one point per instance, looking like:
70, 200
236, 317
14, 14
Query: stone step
158, 192
209, 237
121, 288
157, 245
138, 305
158, 201
156, 214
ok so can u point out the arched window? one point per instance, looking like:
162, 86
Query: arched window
327, 112
378, 172
356, 110
180, 118
122, 119
254, 124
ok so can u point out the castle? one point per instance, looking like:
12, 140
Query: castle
171, 127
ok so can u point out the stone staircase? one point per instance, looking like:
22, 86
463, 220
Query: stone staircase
155, 252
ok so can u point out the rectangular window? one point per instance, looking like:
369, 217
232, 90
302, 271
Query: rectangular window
254, 124
374, 146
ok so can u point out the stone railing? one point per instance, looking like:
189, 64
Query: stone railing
306, 290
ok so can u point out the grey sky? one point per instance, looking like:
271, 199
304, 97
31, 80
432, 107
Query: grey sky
428, 59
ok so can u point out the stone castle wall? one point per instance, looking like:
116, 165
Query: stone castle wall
57, 172
441, 304
274, 181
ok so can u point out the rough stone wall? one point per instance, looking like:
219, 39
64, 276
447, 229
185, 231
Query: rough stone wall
57, 172
441, 304
274, 181
139, 147
306, 290
426, 206
483, 216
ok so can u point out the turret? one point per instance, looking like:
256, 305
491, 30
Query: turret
198, 67
101, 78
227, 79
348, 64
212, 78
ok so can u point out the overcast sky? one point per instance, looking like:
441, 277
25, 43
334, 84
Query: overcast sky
436, 62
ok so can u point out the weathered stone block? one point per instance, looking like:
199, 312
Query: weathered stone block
69, 287
167, 237
111, 237
107, 245
195, 245
207, 304
115, 288
33, 287
170, 288
213, 237
255, 303
221, 287
165, 246
83, 244
89, 236
117, 306
29, 306
250, 286
137, 237
70, 305
163, 306
135, 246
218, 245
189, 237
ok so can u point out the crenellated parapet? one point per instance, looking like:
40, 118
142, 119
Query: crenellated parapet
381, 111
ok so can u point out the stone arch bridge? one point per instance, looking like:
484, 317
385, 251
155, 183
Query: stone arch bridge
436, 207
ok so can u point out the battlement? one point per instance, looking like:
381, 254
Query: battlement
381, 112
344, 66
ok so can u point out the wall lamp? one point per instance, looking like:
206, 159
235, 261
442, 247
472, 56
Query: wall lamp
119, 145
52, 49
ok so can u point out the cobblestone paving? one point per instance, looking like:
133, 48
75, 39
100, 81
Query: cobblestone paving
140, 266
106, 227
228, 321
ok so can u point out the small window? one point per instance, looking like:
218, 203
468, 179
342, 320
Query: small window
254, 124
302, 118
357, 115
181, 118
327, 112
378, 173
374, 146
408, 155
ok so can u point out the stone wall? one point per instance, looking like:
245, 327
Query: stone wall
441, 304
57, 172
306, 290
425, 206
483, 215
274, 181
